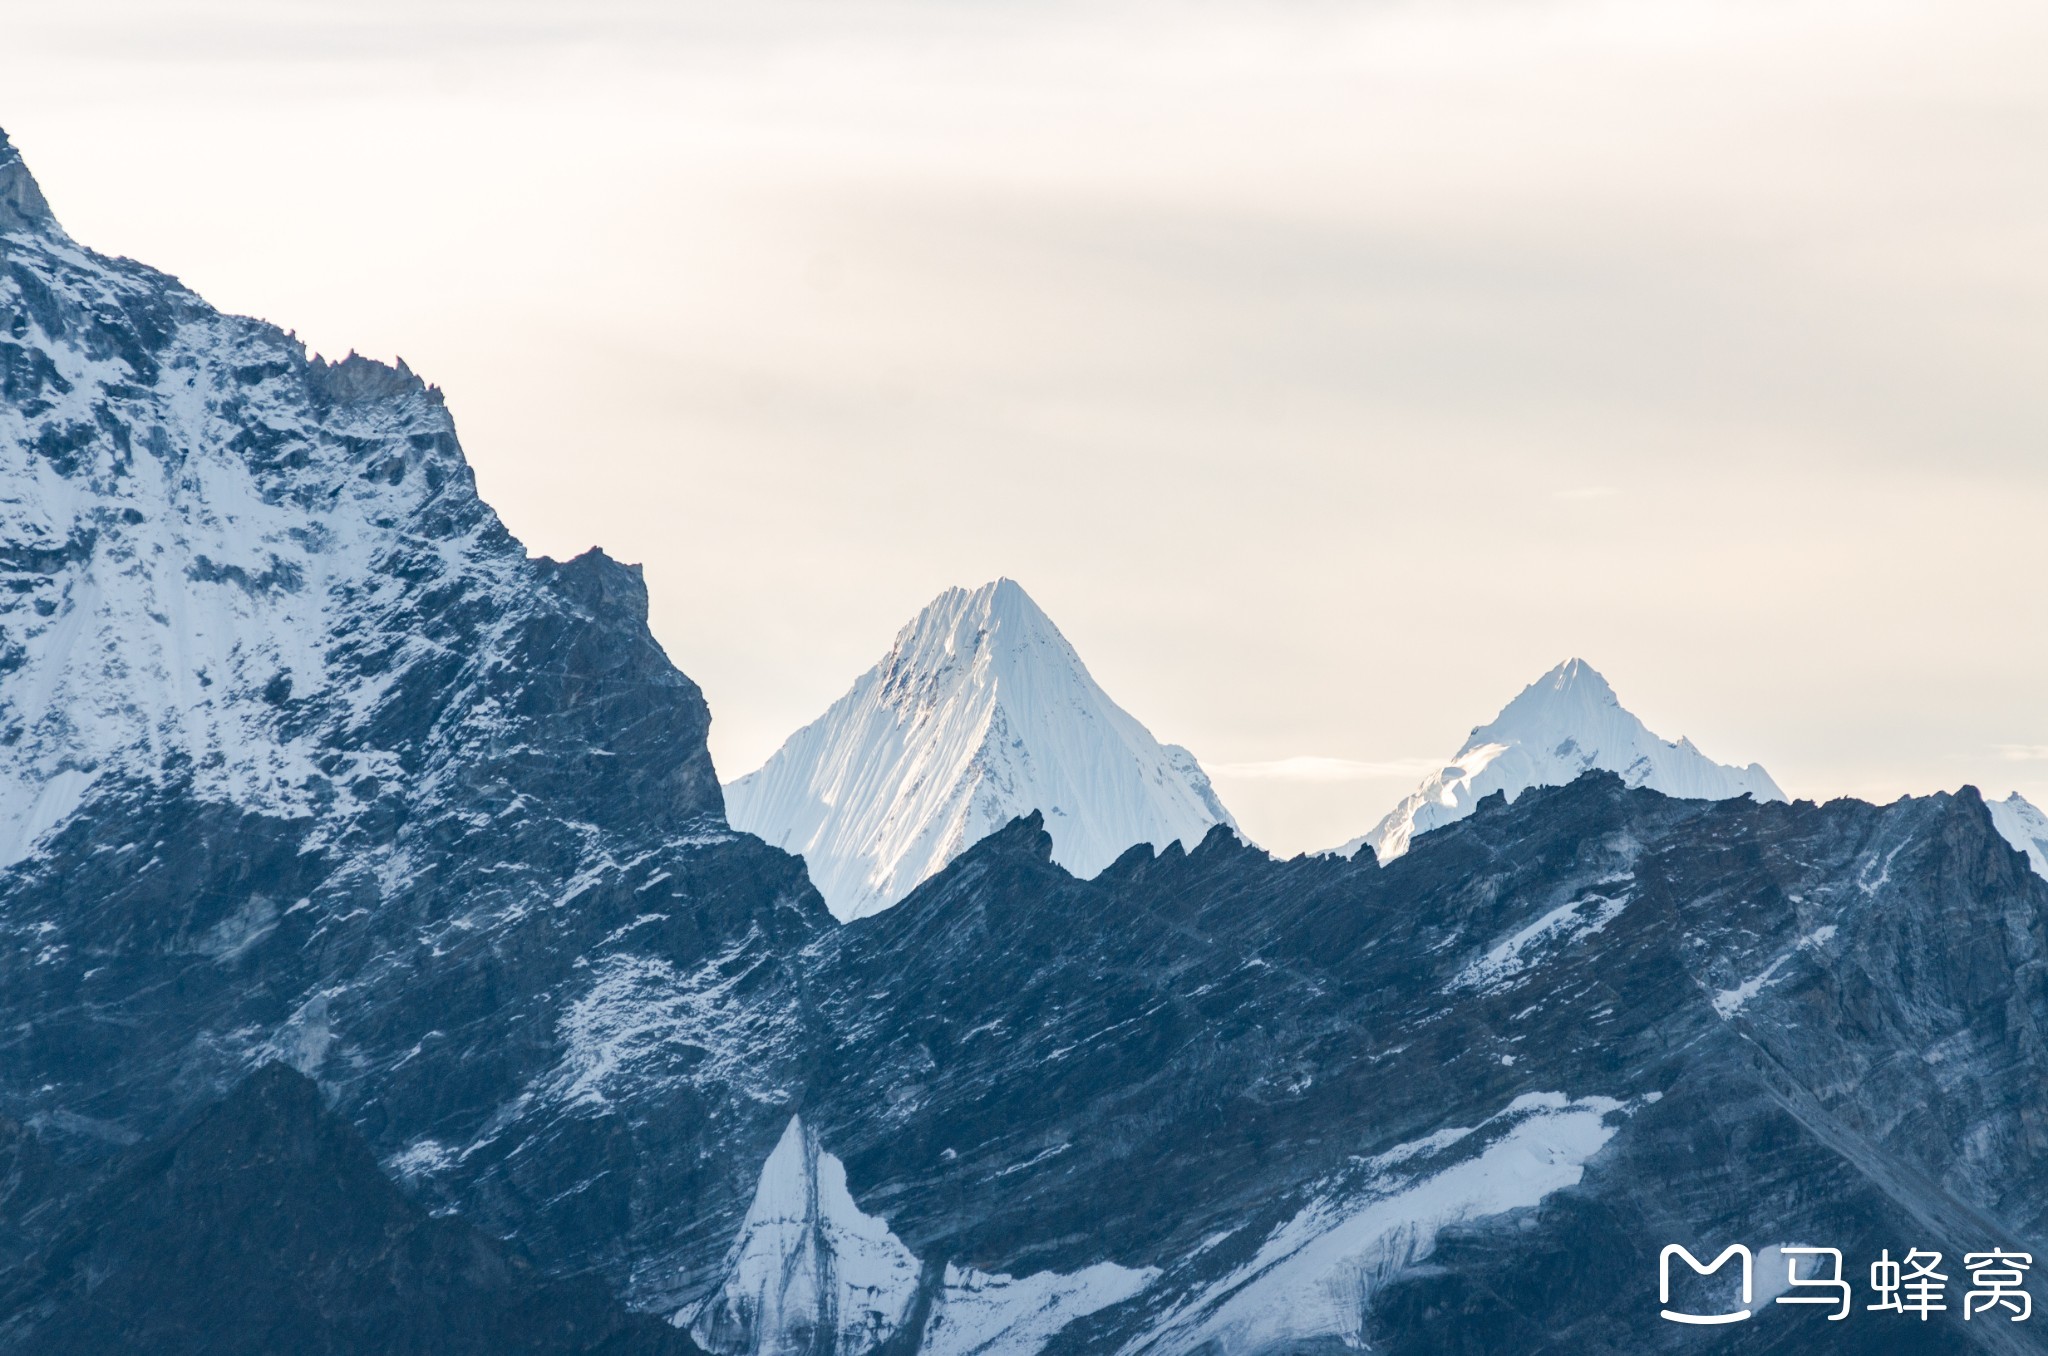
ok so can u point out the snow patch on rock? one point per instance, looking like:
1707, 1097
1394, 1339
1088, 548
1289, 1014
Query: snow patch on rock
1316, 1274
643, 1022
811, 1274
1508, 959
994, 1315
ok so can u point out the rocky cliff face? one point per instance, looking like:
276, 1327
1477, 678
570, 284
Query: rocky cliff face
306, 759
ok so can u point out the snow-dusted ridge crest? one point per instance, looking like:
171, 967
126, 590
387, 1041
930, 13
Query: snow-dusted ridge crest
981, 712
233, 567
1566, 723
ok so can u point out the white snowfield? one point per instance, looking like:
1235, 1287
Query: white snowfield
1565, 723
981, 712
812, 1273
1316, 1275
2024, 826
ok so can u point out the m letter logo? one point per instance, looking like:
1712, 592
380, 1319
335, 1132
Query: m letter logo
1704, 1269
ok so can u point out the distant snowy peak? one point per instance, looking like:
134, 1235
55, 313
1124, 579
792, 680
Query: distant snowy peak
1565, 723
2023, 825
979, 713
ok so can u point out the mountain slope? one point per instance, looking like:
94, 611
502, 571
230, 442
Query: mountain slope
1457, 1103
303, 758
980, 712
239, 569
1200, 1102
267, 1226
2023, 825
1564, 724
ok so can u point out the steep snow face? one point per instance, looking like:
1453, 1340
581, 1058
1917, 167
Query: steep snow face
981, 712
1565, 723
223, 560
811, 1274
2023, 825
1316, 1275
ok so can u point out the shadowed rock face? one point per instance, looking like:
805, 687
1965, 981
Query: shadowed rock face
267, 1226
22, 207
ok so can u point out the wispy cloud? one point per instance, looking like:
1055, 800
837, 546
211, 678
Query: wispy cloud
1310, 768
2023, 753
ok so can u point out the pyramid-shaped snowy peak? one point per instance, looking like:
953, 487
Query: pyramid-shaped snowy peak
1565, 723
979, 713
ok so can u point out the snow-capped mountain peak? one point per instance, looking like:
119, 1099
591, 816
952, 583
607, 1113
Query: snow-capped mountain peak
1565, 723
980, 712
2020, 822
238, 569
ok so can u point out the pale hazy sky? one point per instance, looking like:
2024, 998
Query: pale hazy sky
1327, 371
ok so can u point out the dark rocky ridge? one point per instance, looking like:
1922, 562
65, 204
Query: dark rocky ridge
1211, 1034
21, 200
266, 1227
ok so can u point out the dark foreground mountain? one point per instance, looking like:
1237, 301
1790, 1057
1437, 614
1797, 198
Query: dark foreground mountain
304, 760
1457, 1104
268, 1227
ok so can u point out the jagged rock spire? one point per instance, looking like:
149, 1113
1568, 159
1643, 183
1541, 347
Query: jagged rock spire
22, 205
